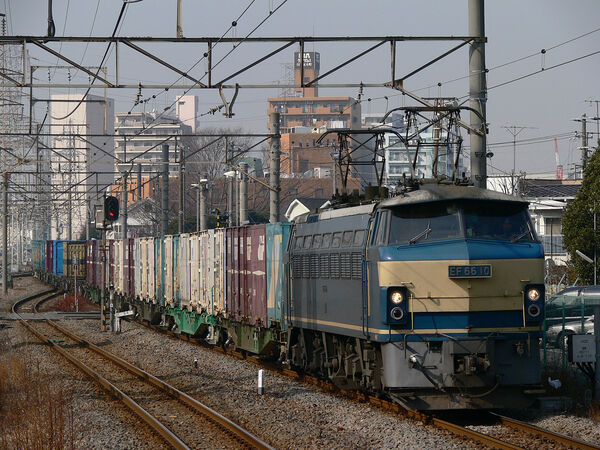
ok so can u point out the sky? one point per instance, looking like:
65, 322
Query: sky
545, 103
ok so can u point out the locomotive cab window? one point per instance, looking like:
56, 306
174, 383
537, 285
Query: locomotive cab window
424, 222
326, 240
504, 221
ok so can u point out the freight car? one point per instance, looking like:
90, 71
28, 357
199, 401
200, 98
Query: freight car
434, 297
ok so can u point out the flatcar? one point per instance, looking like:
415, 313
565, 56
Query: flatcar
434, 297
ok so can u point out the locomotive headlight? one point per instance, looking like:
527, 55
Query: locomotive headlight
397, 297
533, 294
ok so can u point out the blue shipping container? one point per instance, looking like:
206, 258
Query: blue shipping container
57, 260
278, 235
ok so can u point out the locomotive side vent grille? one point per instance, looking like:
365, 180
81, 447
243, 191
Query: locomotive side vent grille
297, 266
314, 266
305, 266
324, 266
334, 265
356, 266
346, 266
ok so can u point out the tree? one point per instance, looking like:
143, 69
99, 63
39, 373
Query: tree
578, 220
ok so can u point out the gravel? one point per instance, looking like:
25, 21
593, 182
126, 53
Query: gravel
288, 415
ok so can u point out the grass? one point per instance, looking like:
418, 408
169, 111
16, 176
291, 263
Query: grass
575, 386
35, 411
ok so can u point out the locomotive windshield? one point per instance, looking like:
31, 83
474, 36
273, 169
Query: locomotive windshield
505, 221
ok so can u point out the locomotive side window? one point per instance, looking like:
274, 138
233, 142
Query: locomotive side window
299, 242
317, 241
337, 239
347, 238
359, 237
307, 241
382, 227
424, 222
326, 240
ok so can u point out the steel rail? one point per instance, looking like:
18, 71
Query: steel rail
552, 435
191, 402
395, 407
150, 420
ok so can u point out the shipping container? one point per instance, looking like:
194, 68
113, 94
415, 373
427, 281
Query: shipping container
57, 257
49, 256
147, 272
219, 271
159, 270
117, 265
246, 275
37, 255
137, 268
170, 268
195, 286
130, 268
278, 235
183, 272
74, 259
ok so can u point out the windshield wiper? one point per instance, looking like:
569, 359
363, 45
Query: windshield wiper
518, 238
424, 233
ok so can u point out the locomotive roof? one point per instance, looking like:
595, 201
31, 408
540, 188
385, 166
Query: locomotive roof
439, 192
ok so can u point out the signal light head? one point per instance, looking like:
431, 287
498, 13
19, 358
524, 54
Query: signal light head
111, 208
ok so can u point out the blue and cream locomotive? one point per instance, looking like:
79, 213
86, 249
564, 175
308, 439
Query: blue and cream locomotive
434, 297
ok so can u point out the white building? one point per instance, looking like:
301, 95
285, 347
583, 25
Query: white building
82, 162
399, 160
140, 140
187, 111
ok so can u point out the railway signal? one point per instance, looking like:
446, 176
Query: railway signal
111, 208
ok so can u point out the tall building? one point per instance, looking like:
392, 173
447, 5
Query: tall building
307, 109
187, 111
81, 162
140, 137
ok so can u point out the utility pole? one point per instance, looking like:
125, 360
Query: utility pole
139, 181
123, 213
179, 29
103, 285
477, 93
243, 194
4, 182
275, 154
515, 130
584, 144
202, 191
181, 218
230, 212
165, 189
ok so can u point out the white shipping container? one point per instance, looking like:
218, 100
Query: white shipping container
183, 267
169, 257
137, 255
194, 271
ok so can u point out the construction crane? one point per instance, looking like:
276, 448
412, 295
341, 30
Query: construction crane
559, 167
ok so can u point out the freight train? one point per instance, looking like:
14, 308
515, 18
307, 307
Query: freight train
434, 298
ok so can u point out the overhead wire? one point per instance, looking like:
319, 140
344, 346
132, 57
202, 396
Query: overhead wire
123, 8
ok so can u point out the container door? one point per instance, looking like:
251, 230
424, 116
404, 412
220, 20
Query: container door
256, 275
168, 270
219, 271
194, 271
151, 271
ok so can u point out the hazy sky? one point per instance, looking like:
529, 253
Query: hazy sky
547, 101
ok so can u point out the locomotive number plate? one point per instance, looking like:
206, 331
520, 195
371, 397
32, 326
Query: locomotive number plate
479, 271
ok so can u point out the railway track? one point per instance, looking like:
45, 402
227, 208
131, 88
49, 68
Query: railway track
501, 432
179, 419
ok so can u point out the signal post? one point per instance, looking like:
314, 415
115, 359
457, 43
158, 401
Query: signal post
103, 221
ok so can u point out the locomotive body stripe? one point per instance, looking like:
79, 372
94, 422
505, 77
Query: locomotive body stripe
458, 304
465, 331
463, 249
